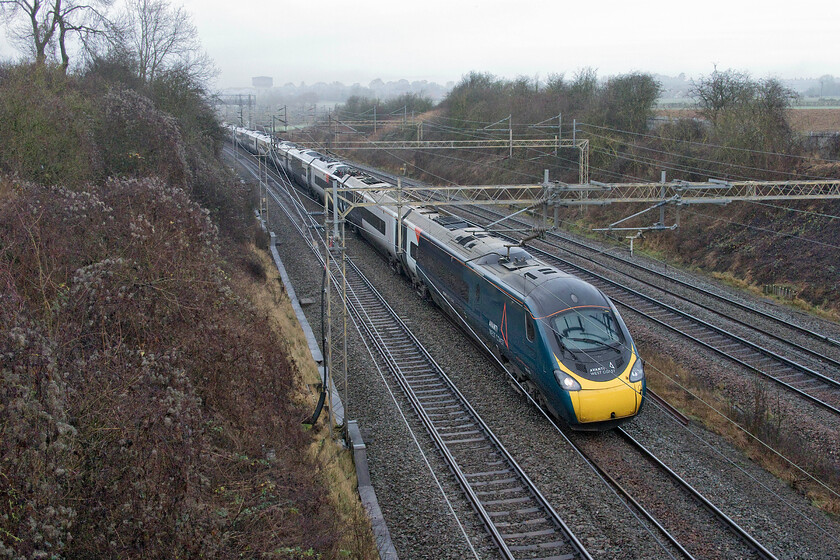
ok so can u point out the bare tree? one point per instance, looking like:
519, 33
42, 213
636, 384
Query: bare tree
86, 21
41, 25
722, 92
748, 115
36, 30
163, 39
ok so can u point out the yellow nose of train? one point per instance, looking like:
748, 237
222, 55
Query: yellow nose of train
601, 401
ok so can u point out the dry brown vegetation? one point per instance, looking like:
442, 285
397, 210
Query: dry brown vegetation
755, 135
748, 131
147, 405
751, 244
355, 538
148, 409
764, 420
815, 120
801, 120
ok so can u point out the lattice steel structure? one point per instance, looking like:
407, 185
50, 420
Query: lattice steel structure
597, 194
537, 197
510, 144
684, 192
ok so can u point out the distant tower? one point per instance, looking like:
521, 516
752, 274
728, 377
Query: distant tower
262, 82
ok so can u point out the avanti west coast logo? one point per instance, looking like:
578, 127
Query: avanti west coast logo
602, 370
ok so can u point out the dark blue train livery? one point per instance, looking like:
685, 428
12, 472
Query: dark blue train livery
561, 337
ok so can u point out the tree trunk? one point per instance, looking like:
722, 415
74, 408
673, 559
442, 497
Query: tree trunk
62, 33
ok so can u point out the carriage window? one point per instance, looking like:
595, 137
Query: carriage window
412, 250
529, 327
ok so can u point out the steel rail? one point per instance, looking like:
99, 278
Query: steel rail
435, 428
798, 347
743, 306
730, 523
828, 383
708, 293
382, 346
769, 316
369, 307
606, 283
633, 501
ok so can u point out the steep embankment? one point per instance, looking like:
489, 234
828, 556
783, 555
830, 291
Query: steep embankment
148, 404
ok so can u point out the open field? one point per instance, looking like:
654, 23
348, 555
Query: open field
815, 120
802, 120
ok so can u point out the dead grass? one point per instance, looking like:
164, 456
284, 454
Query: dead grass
801, 120
766, 419
154, 411
7, 190
336, 463
796, 302
815, 120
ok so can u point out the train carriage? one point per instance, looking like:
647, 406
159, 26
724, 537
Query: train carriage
562, 337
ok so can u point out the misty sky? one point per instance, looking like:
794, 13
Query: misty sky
441, 40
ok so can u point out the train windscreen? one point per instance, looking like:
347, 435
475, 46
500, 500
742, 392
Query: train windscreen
588, 329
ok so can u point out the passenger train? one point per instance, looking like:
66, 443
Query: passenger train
563, 338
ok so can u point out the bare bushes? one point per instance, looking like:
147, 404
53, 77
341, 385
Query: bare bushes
146, 408
45, 135
77, 130
137, 140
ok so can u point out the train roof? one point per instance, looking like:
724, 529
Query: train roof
549, 289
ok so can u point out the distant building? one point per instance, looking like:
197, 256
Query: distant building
262, 82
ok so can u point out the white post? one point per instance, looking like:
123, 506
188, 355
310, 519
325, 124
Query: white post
662, 196
510, 130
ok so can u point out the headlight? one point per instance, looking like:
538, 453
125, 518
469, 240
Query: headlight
638, 371
566, 381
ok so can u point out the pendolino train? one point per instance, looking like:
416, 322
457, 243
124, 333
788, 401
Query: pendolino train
562, 338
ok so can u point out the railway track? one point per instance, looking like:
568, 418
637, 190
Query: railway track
667, 500
819, 389
519, 519
781, 323
783, 327
722, 307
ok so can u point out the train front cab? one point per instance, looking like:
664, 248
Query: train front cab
594, 358
593, 391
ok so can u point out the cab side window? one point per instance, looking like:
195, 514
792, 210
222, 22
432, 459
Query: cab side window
529, 327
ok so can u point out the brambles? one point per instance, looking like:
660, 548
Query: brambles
142, 393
